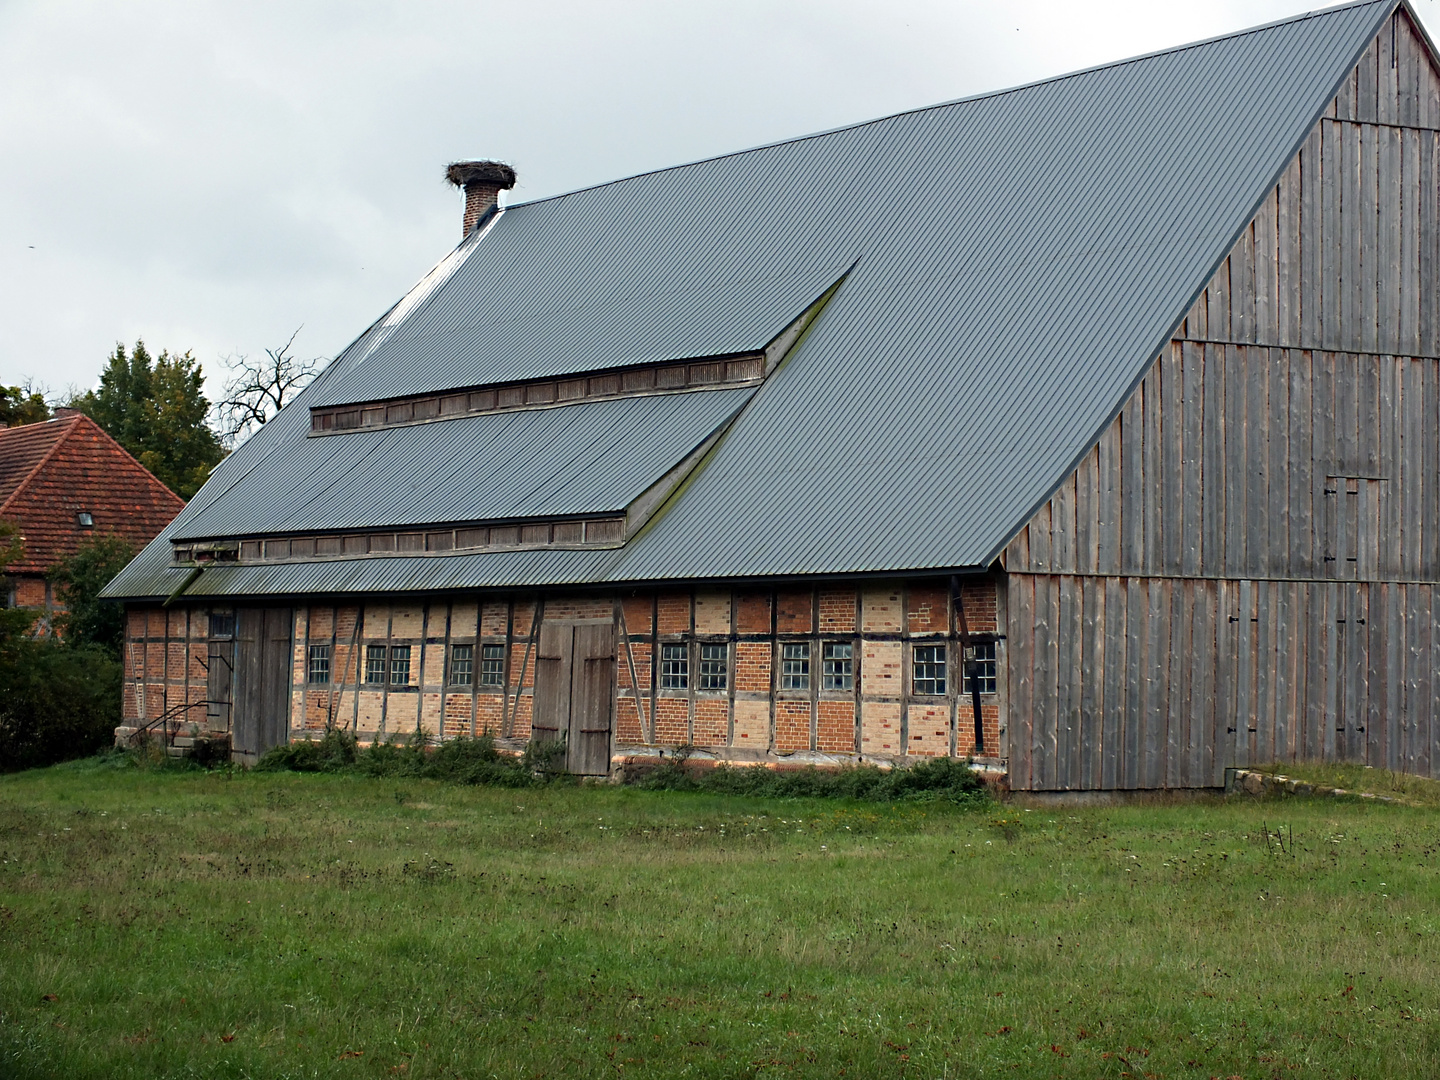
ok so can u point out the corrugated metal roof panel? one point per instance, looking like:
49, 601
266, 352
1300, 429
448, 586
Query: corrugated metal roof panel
587, 458
1021, 258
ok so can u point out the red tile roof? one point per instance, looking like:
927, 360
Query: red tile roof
51, 472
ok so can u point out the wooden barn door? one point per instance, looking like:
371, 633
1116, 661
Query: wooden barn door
262, 680
574, 691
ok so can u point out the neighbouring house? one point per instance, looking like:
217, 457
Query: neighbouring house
1089, 428
63, 482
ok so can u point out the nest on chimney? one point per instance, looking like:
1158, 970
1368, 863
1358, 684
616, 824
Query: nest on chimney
464, 173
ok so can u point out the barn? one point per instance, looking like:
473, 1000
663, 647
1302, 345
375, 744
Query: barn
1089, 429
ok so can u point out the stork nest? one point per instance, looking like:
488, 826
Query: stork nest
464, 173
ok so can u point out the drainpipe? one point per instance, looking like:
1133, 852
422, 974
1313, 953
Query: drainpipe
969, 665
190, 579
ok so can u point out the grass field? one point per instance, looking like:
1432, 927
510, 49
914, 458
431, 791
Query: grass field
170, 924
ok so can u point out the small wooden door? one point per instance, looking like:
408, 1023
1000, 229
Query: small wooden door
220, 671
574, 692
262, 680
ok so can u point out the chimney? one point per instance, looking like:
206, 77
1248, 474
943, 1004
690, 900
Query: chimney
483, 181
66, 413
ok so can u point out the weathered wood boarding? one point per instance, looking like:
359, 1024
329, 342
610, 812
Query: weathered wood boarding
1271, 494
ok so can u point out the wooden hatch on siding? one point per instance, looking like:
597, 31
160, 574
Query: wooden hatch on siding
575, 692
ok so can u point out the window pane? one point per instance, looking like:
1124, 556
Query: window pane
839, 673
492, 665
713, 667
399, 665
986, 669
795, 665
674, 667
929, 669
319, 668
462, 660
375, 664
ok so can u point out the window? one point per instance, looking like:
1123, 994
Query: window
492, 665
674, 667
222, 624
985, 668
713, 667
85, 519
462, 664
795, 665
375, 664
839, 666
318, 670
399, 665
929, 673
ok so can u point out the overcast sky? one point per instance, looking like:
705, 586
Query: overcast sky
212, 176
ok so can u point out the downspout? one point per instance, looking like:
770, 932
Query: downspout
355, 652
969, 665
179, 590
507, 724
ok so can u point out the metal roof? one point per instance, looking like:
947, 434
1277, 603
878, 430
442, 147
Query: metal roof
584, 458
1020, 258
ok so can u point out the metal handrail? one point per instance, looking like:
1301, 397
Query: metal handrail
165, 717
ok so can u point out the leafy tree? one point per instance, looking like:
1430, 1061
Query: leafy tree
156, 408
22, 405
14, 622
78, 579
57, 701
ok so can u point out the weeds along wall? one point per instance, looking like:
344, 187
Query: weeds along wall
752, 674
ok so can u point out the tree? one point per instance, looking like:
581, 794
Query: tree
89, 620
157, 410
261, 388
24, 404
14, 622
57, 700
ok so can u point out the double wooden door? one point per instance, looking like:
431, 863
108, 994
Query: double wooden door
261, 709
575, 692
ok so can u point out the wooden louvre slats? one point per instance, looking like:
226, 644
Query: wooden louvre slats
592, 532
650, 379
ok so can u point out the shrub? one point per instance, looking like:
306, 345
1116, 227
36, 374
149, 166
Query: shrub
462, 760
466, 760
335, 752
936, 779
56, 702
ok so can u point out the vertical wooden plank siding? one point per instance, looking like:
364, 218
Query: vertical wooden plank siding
1091, 643
1243, 568
1112, 631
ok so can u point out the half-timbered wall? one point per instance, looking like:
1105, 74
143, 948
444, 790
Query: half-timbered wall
1240, 570
166, 668
430, 697
754, 714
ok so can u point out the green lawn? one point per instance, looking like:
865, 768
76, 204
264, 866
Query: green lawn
284, 925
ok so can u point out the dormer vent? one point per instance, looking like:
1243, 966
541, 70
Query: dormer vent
483, 181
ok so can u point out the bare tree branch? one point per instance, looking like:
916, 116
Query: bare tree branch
258, 389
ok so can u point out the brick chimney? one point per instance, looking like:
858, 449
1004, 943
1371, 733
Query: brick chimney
483, 181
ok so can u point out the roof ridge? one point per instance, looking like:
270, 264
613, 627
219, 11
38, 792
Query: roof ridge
44, 458
982, 96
